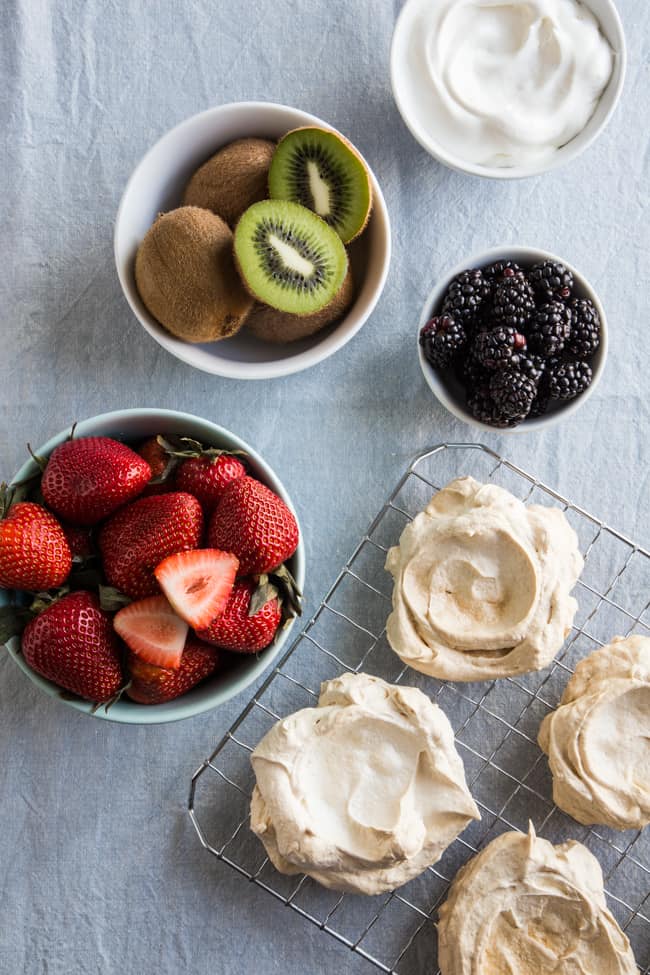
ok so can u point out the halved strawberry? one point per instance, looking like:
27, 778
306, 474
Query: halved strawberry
198, 583
154, 632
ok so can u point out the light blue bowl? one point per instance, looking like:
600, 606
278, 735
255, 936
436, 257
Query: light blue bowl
131, 426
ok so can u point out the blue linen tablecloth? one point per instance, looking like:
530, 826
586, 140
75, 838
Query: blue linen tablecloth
99, 868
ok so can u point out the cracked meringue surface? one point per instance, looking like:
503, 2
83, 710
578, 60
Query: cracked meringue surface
362, 792
482, 584
598, 739
525, 907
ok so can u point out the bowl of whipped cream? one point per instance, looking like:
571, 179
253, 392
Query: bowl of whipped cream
508, 89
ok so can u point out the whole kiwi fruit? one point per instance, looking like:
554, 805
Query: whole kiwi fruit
231, 180
186, 276
279, 327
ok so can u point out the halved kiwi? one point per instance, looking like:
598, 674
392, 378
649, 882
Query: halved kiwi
322, 171
280, 327
288, 257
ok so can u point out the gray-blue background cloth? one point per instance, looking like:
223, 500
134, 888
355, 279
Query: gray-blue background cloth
100, 870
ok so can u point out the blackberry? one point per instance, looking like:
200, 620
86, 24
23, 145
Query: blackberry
494, 272
539, 406
568, 379
496, 347
585, 328
480, 405
530, 365
470, 372
464, 297
551, 281
512, 394
441, 339
549, 329
514, 301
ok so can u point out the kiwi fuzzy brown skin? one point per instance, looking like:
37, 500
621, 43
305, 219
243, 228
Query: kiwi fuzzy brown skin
231, 180
186, 276
355, 152
280, 327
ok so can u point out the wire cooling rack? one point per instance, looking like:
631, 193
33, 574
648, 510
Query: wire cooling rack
495, 724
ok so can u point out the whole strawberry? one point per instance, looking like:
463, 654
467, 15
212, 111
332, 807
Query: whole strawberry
85, 480
161, 464
255, 525
155, 685
139, 536
72, 643
206, 478
34, 552
236, 630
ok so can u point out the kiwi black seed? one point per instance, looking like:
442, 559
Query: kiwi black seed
280, 327
321, 170
288, 257
233, 179
186, 276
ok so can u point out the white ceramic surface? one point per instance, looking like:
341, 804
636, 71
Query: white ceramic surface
157, 184
448, 390
132, 426
612, 28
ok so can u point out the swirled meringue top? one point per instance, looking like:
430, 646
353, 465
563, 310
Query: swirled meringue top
525, 907
598, 739
481, 584
362, 792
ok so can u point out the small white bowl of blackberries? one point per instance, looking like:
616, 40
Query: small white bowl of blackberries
513, 339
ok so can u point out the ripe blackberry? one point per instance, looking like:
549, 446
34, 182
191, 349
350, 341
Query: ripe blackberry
494, 272
551, 281
441, 339
514, 301
464, 297
480, 405
512, 394
470, 372
585, 328
496, 347
568, 379
549, 328
530, 365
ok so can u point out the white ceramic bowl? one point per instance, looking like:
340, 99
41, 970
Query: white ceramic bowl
610, 23
132, 426
449, 391
157, 185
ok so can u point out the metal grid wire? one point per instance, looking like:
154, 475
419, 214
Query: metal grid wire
495, 724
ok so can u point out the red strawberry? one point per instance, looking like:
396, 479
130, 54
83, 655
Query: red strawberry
72, 643
161, 465
155, 685
153, 631
137, 538
34, 553
79, 541
198, 583
85, 480
255, 524
236, 630
206, 478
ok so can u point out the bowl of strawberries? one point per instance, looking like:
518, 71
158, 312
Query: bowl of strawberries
151, 566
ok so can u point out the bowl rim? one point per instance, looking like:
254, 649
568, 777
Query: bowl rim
516, 252
177, 709
612, 92
233, 369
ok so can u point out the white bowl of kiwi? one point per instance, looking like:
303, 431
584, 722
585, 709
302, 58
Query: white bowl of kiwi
252, 241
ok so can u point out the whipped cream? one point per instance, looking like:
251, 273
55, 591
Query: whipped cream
362, 792
524, 906
502, 82
598, 739
481, 584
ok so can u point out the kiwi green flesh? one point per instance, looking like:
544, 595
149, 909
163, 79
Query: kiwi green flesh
288, 257
321, 171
